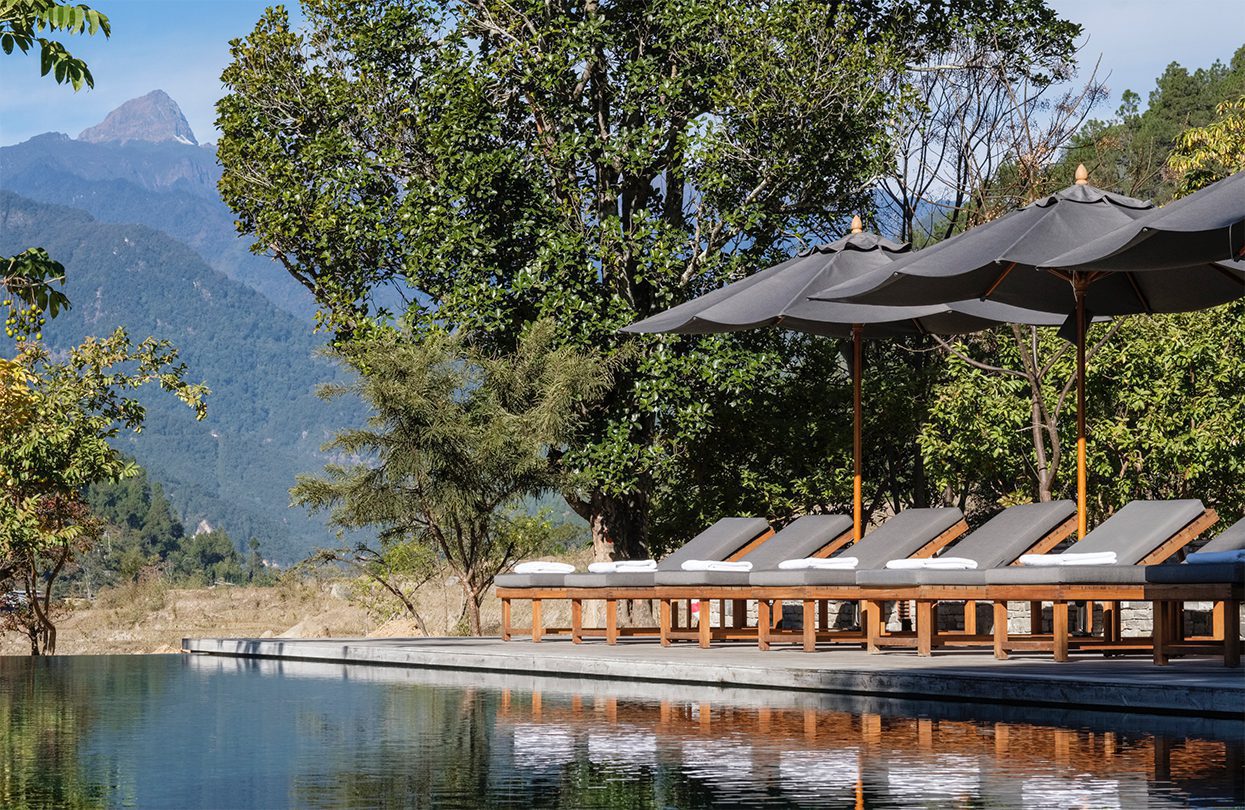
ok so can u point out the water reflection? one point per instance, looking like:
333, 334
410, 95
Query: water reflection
169, 731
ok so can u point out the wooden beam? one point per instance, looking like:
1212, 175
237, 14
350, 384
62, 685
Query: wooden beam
940, 542
1181, 538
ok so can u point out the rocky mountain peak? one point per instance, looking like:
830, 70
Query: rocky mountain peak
154, 117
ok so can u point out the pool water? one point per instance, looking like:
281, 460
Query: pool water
195, 731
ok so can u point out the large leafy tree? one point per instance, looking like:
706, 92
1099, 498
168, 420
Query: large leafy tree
460, 437
491, 163
1163, 391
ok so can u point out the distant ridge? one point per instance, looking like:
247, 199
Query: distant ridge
154, 117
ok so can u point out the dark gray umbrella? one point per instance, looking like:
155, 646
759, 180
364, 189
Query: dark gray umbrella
779, 296
1013, 260
1206, 226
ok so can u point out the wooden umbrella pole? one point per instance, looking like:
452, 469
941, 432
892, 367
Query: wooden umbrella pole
1078, 291
858, 508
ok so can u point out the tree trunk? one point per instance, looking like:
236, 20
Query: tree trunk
474, 596
619, 526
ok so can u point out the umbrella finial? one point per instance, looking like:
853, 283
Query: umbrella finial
1082, 174
857, 225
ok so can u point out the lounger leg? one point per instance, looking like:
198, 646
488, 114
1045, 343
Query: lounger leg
739, 613
577, 621
1059, 629
1035, 618
823, 614
970, 618
1000, 629
925, 627
809, 630
1111, 621
763, 626
505, 620
1217, 615
538, 631
871, 618
663, 611
1232, 634
703, 624
1162, 631
611, 621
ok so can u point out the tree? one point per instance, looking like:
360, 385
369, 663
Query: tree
459, 438
498, 162
23, 23
28, 276
1162, 390
79, 404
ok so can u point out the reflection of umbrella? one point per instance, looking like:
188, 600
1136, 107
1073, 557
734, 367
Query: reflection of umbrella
1206, 226
1012, 260
778, 296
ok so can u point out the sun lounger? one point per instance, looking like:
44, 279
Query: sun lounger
1169, 636
1142, 534
913, 533
812, 533
1025, 529
808, 536
727, 539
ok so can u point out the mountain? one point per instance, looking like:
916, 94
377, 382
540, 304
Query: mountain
154, 117
164, 183
264, 423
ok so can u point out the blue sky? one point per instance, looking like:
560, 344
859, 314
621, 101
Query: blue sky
180, 46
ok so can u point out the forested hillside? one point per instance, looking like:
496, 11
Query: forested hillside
167, 185
264, 421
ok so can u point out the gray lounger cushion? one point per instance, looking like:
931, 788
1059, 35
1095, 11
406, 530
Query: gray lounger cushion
887, 578
1132, 533
1139, 528
997, 543
900, 537
529, 580
1068, 574
803, 538
1198, 572
717, 542
1230, 539
623, 579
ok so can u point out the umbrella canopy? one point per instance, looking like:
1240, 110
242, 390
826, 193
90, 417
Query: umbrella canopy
1014, 259
1206, 226
779, 296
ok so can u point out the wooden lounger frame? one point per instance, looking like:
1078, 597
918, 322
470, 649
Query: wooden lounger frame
1168, 638
765, 629
611, 596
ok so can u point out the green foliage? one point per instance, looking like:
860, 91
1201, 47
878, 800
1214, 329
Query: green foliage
1206, 154
28, 278
23, 23
81, 403
459, 438
234, 468
1130, 152
506, 162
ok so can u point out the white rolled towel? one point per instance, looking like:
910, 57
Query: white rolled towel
716, 565
544, 567
1068, 558
1212, 557
934, 564
622, 566
820, 563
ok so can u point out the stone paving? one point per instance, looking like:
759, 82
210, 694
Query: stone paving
1200, 687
